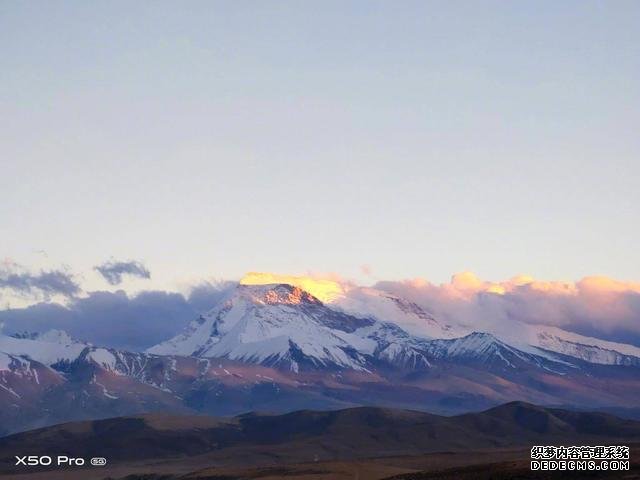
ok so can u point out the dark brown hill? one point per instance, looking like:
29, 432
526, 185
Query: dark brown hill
305, 435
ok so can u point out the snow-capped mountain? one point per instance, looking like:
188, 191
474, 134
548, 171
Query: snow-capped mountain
56, 350
361, 329
364, 302
481, 348
413, 319
282, 324
274, 325
536, 338
48, 348
278, 346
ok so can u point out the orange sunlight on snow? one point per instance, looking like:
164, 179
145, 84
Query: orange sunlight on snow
323, 290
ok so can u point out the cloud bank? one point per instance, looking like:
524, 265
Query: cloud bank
113, 271
594, 306
42, 285
116, 319
206, 295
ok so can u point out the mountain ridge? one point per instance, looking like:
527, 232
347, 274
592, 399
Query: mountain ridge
280, 347
352, 433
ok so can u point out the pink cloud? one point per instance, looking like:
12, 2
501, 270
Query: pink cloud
595, 305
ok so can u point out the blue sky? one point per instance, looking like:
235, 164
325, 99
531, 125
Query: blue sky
207, 139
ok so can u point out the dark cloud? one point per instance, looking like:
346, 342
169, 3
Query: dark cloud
37, 285
113, 271
107, 318
204, 296
116, 319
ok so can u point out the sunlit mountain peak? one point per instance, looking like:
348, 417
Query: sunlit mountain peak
324, 290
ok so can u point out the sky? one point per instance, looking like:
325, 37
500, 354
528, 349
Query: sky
377, 140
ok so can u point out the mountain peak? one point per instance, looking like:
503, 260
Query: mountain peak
323, 289
282, 294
